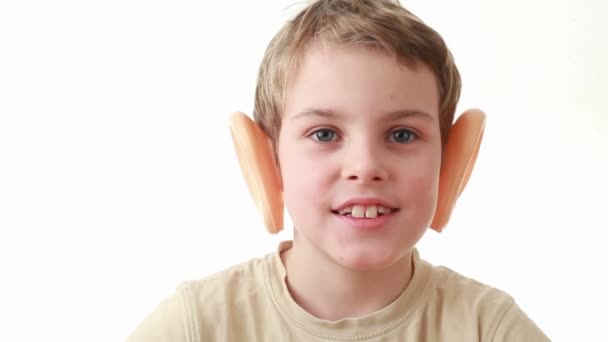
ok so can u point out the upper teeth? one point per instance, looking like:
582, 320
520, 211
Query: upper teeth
370, 211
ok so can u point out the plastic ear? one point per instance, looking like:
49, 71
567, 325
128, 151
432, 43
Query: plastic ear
259, 167
459, 156
256, 158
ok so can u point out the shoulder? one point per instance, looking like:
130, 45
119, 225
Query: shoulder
465, 297
456, 287
165, 323
209, 300
491, 311
231, 285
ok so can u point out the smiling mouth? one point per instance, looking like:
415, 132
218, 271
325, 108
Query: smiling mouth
367, 211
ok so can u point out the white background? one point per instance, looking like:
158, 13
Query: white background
118, 180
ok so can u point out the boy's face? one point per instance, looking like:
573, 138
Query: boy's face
361, 133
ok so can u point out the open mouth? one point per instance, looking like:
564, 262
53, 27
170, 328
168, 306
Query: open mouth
364, 211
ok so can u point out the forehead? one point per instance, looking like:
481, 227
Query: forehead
355, 80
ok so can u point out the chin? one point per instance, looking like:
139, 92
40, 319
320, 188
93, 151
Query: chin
369, 258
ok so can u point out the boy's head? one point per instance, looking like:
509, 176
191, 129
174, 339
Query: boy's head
357, 98
377, 24
360, 155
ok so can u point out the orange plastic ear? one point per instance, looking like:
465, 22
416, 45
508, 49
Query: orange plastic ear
459, 155
256, 158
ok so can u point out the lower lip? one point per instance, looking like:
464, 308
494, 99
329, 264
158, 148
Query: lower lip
366, 223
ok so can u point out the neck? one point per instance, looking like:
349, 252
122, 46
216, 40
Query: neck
330, 291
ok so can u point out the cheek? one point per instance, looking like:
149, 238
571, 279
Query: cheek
423, 188
422, 184
303, 182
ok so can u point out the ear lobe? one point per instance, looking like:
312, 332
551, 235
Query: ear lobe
256, 158
459, 156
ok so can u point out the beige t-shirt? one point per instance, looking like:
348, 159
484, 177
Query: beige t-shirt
251, 302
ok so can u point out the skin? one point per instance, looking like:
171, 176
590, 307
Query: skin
341, 139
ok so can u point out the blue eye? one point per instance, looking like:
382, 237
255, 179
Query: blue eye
324, 135
402, 136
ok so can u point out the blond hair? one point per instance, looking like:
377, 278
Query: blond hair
382, 24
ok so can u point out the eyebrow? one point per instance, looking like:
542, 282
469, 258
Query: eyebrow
391, 116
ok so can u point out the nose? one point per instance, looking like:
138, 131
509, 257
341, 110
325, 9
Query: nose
363, 162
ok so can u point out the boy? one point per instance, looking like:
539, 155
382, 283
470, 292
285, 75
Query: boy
357, 98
